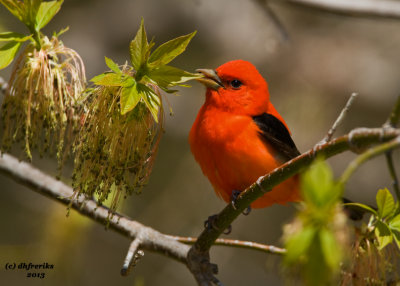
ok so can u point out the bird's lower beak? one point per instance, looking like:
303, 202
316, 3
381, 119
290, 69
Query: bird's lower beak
210, 79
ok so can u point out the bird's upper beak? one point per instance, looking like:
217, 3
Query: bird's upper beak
210, 79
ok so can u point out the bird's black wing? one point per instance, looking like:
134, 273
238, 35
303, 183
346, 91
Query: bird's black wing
274, 132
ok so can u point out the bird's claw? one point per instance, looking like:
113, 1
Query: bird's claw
210, 224
247, 211
235, 194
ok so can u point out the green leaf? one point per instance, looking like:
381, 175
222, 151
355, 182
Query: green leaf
128, 81
12, 36
98, 77
17, 9
385, 202
394, 226
396, 236
112, 65
8, 53
394, 223
362, 206
108, 79
46, 12
170, 90
318, 186
316, 271
31, 11
383, 234
62, 31
129, 98
330, 248
298, 244
170, 50
167, 76
151, 100
139, 48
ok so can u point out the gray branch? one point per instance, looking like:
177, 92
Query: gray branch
38, 181
358, 139
142, 237
361, 8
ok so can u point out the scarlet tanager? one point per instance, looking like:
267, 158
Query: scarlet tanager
239, 136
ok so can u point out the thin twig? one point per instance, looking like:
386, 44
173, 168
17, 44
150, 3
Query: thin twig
340, 119
354, 8
236, 243
367, 155
394, 116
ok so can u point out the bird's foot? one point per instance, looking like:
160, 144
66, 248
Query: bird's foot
210, 224
235, 194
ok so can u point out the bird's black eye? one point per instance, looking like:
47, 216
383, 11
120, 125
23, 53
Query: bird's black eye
236, 83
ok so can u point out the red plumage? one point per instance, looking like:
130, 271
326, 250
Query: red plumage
239, 136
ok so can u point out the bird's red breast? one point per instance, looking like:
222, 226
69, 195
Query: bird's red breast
238, 135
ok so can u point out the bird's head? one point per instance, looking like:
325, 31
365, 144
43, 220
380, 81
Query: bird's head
236, 87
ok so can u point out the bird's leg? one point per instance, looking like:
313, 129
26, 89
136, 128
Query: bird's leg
234, 196
210, 223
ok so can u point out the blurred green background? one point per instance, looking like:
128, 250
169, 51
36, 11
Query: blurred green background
310, 76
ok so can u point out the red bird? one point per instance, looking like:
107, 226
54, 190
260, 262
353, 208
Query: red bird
239, 136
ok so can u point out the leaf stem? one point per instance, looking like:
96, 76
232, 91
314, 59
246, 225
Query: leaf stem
36, 37
392, 171
391, 122
369, 154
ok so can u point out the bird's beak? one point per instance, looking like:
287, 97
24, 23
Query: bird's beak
210, 79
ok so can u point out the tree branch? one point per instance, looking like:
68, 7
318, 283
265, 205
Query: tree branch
143, 237
358, 8
357, 139
196, 257
38, 181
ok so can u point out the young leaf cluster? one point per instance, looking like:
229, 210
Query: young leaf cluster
118, 141
316, 239
35, 14
114, 153
385, 221
150, 69
41, 104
